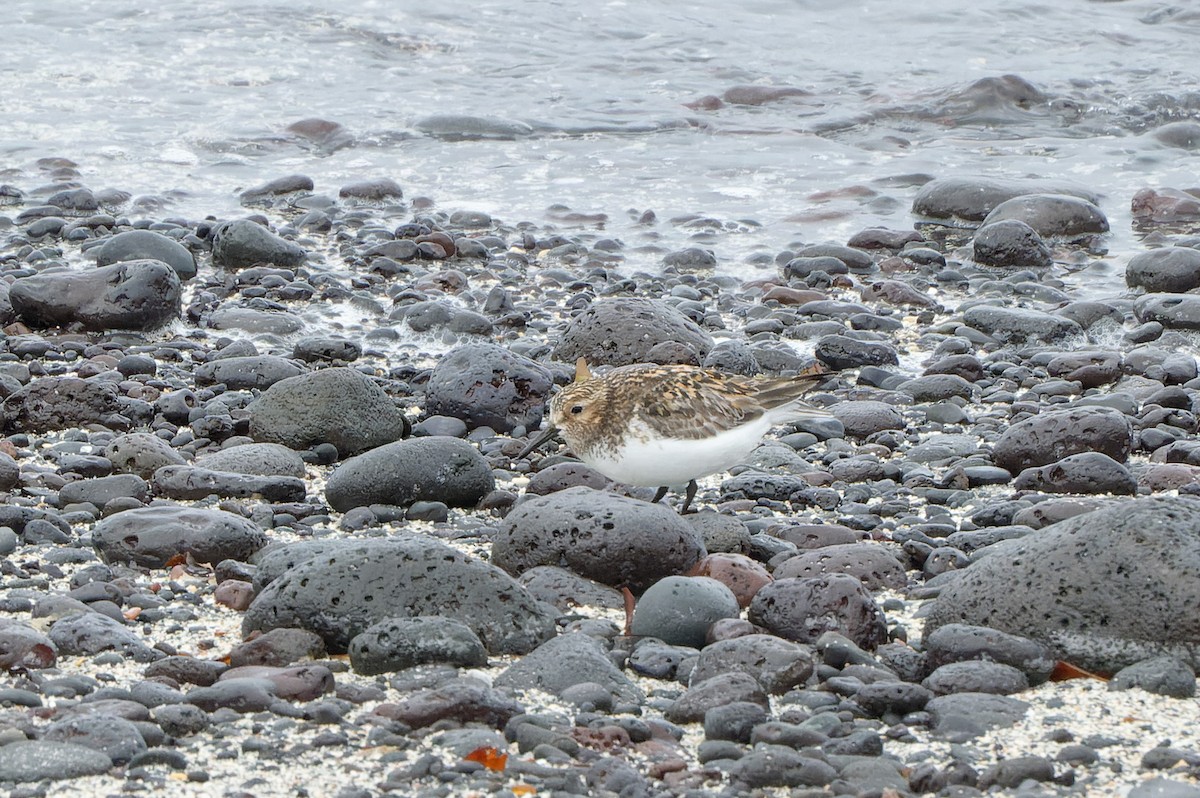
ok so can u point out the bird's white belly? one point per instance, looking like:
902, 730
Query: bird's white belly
671, 461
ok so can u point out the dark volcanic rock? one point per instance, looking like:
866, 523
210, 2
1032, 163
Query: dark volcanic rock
394, 644
1020, 325
141, 453
717, 691
462, 700
1089, 472
874, 565
565, 661
242, 243
55, 403
341, 594
964, 716
487, 385
23, 647
131, 295
612, 539
1051, 214
27, 761
803, 609
185, 482
337, 405
436, 468
777, 665
1103, 589
956, 642
150, 536
91, 633
1167, 270
264, 459
116, 737
1049, 437
866, 417
147, 244
1010, 243
678, 610
1179, 311
623, 330
243, 373
973, 198
843, 352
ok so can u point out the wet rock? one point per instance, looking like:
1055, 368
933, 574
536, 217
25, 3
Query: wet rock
802, 609
871, 563
277, 647
131, 295
91, 633
975, 676
463, 700
957, 642
241, 244
1049, 437
1151, 205
564, 661
377, 189
147, 245
1020, 325
1103, 589
843, 352
56, 403
253, 320
186, 670
394, 644
244, 373
435, 468
184, 483
151, 536
612, 539
1176, 311
1051, 214
288, 184
623, 330
679, 609
487, 385
357, 585
1169, 676
28, 761
339, 406
865, 417
116, 738
973, 198
777, 665
320, 349
263, 459
141, 453
1168, 270
719, 690
1089, 472
1011, 244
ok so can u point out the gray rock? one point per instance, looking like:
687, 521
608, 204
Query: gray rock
242, 243
975, 676
278, 648
272, 561
115, 737
973, 198
565, 590
487, 385
733, 721
1177, 311
1089, 472
336, 405
568, 660
1012, 244
91, 633
719, 690
147, 244
263, 459
244, 373
23, 647
957, 642
866, 417
777, 665
679, 609
354, 586
936, 387
1020, 325
253, 320
394, 644
896, 699
101, 490
776, 766
1049, 437
131, 295
623, 330
611, 539
1016, 770
150, 536
802, 609
329, 350
1164, 788
463, 700
435, 468
1051, 214
1104, 590
1167, 270
56, 403
27, 761
843, 352
141, 453
1169, 676
872, 563
189, 483
964, 716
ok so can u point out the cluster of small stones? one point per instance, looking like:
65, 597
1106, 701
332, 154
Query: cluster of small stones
263, 526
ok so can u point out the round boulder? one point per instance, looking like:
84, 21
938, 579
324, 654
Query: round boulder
436, 468
54, 403
147, 244
262, 459
1049, 437
1012, 244
612, 539
352, 587
151, 536
871, 563
1051, 214
1103, 590
486, 385
866, 417
623, 330
394, 644
679, 609
1166, 270
1089, 472
803, 609
339, 406
242, 243
131, 295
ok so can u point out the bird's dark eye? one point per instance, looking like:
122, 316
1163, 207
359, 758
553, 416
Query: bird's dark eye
576, 409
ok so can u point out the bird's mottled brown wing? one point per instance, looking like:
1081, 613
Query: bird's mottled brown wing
690, 403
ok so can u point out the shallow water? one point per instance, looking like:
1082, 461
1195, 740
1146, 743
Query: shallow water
586, 115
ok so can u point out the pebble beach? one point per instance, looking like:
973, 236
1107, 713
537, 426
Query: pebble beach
265, 523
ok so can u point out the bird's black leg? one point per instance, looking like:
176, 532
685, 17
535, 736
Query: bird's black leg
691, 494
659, 495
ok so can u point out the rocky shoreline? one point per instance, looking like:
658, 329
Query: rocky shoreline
264, 533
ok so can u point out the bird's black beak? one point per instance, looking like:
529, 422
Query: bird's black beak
545, 435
